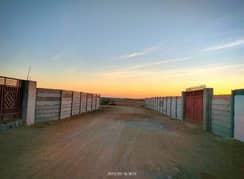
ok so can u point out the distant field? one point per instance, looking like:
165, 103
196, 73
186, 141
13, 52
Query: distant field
122, 101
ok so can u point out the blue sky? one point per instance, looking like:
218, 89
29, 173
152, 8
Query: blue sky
103, 45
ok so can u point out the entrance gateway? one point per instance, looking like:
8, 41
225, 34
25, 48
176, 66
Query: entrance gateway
194, 104
10, 99
197, 105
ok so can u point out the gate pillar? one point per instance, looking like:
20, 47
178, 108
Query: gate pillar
207, 103
29, 102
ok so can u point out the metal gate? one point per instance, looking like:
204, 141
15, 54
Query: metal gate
194, 105
10, 99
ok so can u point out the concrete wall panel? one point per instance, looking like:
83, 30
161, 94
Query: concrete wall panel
239, 117
221, 115
48, 103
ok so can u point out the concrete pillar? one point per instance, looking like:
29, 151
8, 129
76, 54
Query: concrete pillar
99, 101
183, 94
207, 103
29, 102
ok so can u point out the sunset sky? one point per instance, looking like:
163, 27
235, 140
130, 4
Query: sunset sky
127, 48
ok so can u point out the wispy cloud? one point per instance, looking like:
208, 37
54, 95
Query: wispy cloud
140, 53
208, 72
226, 45
159, 62
133, 72
56, 56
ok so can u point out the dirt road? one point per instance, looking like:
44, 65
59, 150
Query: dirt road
118, 142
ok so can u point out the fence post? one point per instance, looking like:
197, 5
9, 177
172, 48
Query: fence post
183, 94
60, 107
170, 107
156, 104
91, 102
86, 100
152, 103
166, 100
80, 103
156, 109
162, 105
72, 100
176, 106
207, 103
96, 103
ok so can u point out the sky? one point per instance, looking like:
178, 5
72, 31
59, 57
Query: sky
127, 48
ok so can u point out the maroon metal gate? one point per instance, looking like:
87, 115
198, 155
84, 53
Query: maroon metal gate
194, 105
10, 99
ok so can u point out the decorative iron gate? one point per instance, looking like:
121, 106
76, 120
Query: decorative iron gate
10, 99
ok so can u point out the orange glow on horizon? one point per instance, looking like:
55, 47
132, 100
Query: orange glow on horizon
139, 90
141, 84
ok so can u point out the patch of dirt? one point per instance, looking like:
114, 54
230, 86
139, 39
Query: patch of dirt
118, 139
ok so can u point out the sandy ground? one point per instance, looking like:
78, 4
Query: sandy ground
116, 142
